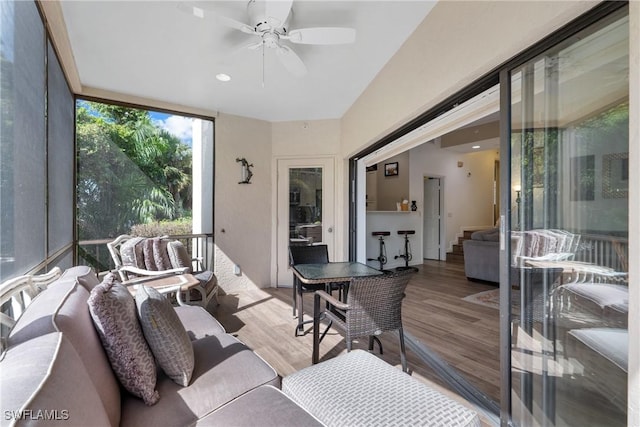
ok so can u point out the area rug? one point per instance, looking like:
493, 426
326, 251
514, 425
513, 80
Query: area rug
490, 298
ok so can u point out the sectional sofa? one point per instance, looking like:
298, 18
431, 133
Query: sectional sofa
55, 372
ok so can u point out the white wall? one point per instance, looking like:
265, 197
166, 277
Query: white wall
468, 190
393, 189
243, 219
300, 139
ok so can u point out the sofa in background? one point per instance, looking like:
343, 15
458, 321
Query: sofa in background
59, 374
482, 255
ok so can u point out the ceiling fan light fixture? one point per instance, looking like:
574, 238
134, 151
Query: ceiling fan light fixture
223, 77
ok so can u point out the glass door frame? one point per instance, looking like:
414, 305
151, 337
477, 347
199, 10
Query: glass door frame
281, 275
599, 13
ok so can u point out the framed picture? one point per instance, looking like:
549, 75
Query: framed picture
615, 179
391, 169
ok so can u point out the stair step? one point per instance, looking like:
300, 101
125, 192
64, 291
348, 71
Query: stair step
457, 258
458, 249
467, 234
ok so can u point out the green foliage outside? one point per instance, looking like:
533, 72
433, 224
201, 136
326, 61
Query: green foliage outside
130, 171
177, 227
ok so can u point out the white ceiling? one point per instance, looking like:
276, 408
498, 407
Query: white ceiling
156, 50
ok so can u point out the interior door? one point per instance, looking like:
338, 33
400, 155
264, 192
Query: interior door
305, 209
431, 218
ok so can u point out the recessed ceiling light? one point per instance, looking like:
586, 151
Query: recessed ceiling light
475, 147
223, 77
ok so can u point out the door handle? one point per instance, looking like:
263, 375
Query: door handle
330, 230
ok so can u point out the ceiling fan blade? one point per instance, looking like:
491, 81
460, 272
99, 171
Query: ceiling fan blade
277, 12
291, 61
322, 35
232, 23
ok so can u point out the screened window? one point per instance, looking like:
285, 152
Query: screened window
22, 131
140, 172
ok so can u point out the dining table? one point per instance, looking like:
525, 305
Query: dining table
327, 274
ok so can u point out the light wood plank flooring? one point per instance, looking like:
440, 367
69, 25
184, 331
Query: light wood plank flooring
465, 335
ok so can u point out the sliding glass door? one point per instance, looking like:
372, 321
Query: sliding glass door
569, 143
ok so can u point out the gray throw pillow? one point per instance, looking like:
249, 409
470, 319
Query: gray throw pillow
114, 315
165, 333
160, 255
178, 255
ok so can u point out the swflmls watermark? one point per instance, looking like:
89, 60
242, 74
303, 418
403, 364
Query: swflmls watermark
37, 415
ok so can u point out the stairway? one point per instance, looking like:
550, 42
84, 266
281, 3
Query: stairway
457, 254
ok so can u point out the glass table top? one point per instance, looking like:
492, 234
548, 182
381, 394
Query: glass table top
333, 271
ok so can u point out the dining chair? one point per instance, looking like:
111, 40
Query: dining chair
373, 306
313, 254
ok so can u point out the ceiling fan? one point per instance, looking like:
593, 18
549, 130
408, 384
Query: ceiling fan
269, 21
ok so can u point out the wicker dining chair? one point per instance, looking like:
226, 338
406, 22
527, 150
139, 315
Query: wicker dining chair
313, 254
374, 306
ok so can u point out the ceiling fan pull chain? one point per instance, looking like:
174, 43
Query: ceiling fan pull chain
263, 65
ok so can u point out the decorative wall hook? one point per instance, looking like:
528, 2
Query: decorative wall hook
245, 172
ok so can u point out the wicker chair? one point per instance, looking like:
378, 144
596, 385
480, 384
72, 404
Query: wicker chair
374, 306
132, 264
315, 254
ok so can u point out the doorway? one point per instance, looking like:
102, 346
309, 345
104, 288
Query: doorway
305, 209
432, 218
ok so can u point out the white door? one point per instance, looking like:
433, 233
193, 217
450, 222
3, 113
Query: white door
305, 209
431, 218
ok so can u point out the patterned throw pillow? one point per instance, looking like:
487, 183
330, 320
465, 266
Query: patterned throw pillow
127, 252
160, 255
169, 341
178, 255
114, 315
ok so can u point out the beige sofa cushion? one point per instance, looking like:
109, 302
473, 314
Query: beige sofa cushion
265, 406
198, 322
63, 308
224, 369
44, 379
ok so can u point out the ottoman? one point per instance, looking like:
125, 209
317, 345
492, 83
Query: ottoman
358, 389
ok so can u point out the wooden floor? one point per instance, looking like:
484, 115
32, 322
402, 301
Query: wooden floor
464, 334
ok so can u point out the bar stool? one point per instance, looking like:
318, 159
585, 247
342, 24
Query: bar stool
407, 250
382, 255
